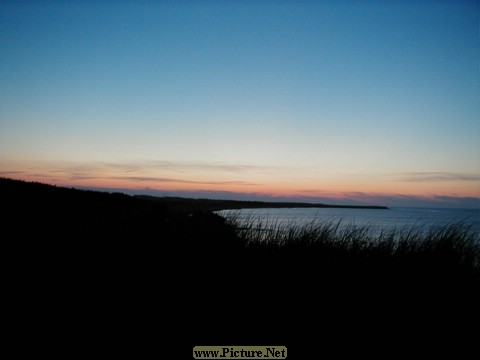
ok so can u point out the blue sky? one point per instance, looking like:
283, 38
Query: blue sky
351, 101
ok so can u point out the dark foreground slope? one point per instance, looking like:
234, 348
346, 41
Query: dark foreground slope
114, 274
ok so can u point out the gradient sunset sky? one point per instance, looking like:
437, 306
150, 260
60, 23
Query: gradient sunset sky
371, 102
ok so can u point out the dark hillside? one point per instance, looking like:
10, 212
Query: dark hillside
37, 210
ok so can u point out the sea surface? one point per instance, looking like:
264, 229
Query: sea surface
392, 219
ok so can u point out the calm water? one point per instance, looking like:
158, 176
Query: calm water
375, 220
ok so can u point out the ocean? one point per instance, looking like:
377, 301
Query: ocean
392, 219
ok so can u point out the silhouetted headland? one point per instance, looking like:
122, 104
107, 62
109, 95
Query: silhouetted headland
187, 204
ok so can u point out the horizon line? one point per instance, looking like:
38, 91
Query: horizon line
346, 198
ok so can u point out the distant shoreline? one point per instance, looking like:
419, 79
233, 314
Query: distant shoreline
188, 204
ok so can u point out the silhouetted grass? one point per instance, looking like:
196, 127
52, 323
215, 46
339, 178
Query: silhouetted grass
453, 247
297, 281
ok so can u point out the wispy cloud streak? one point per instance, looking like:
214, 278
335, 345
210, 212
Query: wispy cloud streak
221, 174
436, 177
177, 180
183, 166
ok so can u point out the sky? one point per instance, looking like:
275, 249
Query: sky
352, 102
